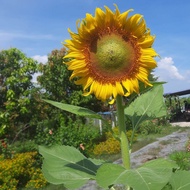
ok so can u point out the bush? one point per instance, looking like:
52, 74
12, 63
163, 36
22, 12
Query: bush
150, 127
75, 134
182, 159
112, 144
24, 146
21, 171
5, 151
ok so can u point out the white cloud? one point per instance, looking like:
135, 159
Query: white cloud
166, 70
41, 58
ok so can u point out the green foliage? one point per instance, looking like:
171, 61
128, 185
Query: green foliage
4, 149
8, 151
180, 180
16, 91
149, 105
182, 159
74, 134
149, 127
21, 171
23, 146
110, 146
174, 104
62, 161
75, 109
66, 165
21, 106
112, 143
153, 175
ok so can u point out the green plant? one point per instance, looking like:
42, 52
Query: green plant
17, 92
149, 127
21, 171
112, 144
76, 134
5, 150
68, 160
182, 159
23, 146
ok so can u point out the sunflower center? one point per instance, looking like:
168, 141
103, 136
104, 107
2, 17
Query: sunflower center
111, 55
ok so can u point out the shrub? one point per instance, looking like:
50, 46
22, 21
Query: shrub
112, 144
74, 134
5, 151
115, 133
150, 127
182, 159
20, 171
23, 146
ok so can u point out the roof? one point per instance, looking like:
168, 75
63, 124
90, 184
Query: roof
179, 93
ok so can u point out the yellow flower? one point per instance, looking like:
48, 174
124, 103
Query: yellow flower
111, 53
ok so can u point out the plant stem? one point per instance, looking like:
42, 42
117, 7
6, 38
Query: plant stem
122, 133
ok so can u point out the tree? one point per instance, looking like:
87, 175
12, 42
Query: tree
16, 90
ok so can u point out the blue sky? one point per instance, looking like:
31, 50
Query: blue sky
37, 27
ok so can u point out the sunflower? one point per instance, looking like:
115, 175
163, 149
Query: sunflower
111, 53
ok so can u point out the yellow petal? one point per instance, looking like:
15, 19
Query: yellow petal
140, 29
134, 85
75, 54
119, 88
74, 66
133, 22
127, 86
99, 17
123, 16
149, 52
87, 83
146, 41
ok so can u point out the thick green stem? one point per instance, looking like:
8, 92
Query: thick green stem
122, 133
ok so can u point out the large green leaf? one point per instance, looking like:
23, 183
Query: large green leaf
180, 180
75, 109
153, 175
149, 105
66, 165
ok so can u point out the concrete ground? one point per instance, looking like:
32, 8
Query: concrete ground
181, 124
